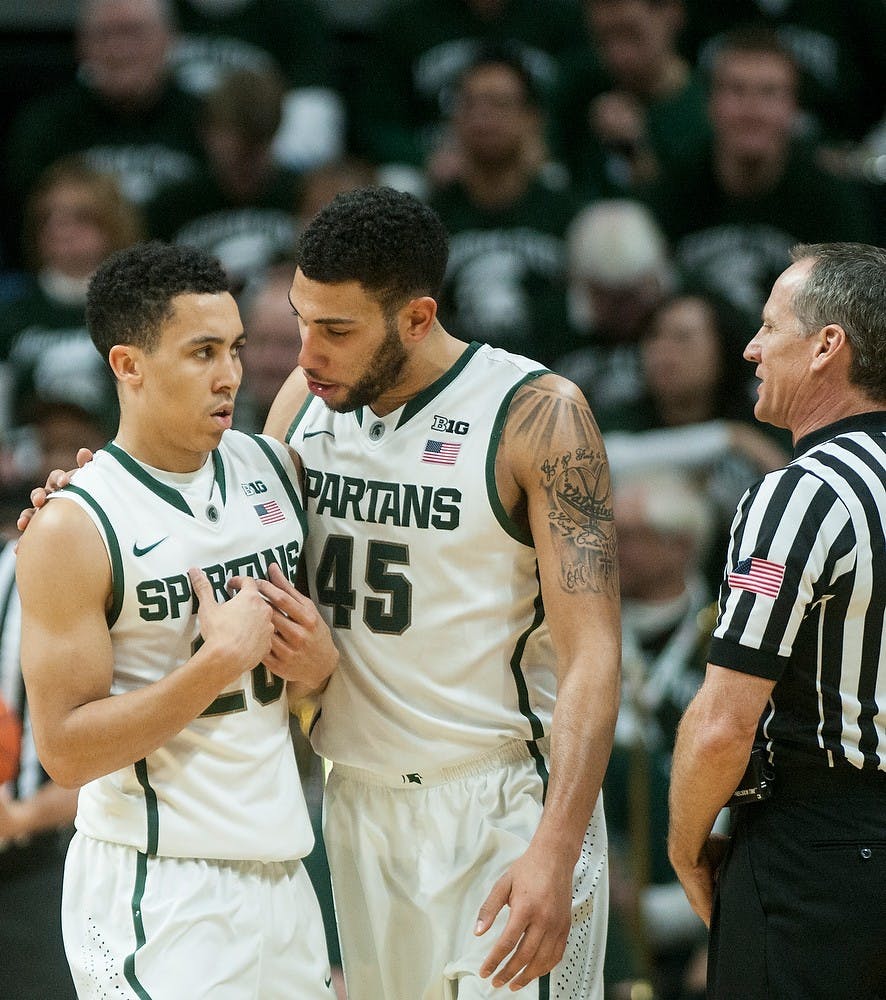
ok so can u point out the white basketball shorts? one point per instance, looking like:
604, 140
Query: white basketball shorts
172, 928
413, 857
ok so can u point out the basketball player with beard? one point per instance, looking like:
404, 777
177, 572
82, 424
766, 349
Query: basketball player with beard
461, 547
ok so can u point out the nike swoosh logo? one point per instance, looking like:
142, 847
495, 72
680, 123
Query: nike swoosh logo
327, 981
311, 434
138, 551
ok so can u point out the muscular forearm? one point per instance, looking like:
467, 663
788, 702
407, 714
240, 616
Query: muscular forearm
714, 741
106, 734
710, 756
707, 767
581, 741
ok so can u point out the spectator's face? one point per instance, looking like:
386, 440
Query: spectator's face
492, 117
61, 432
619, 311
633, 38
752, 104
652, 563
70, 233
239, 162
681, 353
273, 345
123, 47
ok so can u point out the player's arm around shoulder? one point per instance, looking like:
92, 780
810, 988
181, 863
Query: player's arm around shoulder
289, 400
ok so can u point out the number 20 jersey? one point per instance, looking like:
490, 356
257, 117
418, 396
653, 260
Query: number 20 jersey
227, 786
431, 590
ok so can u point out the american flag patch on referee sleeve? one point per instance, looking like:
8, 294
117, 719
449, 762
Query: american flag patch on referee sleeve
760, 576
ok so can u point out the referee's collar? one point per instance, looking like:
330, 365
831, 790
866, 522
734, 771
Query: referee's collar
872, 422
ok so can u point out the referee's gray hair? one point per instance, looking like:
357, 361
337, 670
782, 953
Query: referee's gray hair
846, 286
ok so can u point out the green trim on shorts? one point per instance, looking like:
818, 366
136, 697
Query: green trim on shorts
541, 767
141, 875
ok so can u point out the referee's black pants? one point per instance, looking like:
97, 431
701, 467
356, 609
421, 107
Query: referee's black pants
800, 906
32, 957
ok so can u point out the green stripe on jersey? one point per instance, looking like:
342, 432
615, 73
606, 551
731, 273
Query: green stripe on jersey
113, 550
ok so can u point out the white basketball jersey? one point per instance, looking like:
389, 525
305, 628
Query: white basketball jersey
432, 591
227, 785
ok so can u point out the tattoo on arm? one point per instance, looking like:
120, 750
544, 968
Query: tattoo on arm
574, 474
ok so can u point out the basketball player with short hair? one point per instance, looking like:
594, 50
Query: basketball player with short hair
462, 548
152, 686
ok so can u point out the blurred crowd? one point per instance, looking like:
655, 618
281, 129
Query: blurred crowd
622, 181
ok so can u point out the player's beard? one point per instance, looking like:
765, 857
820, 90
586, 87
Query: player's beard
382, 372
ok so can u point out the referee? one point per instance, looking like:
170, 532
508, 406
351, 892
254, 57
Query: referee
797, 668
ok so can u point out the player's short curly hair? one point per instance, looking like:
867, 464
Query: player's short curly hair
388, 241
130, 295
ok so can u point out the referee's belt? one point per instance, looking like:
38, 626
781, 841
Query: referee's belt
793, 780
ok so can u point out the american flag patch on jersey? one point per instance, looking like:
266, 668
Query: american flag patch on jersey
440, 452
760, 576
269, 512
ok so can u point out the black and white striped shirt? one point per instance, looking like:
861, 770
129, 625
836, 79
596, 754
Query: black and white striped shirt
803, 601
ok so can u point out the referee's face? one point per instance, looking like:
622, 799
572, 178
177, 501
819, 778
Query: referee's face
783, 356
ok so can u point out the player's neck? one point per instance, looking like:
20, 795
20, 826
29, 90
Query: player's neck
430, 360
158, 454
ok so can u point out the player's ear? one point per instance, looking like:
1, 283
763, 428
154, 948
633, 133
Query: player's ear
417, 317
125, 362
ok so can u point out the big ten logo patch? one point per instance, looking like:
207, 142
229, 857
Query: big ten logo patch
252, 489
450, 426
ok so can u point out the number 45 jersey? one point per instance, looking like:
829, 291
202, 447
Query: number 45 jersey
431, 590
227, 785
